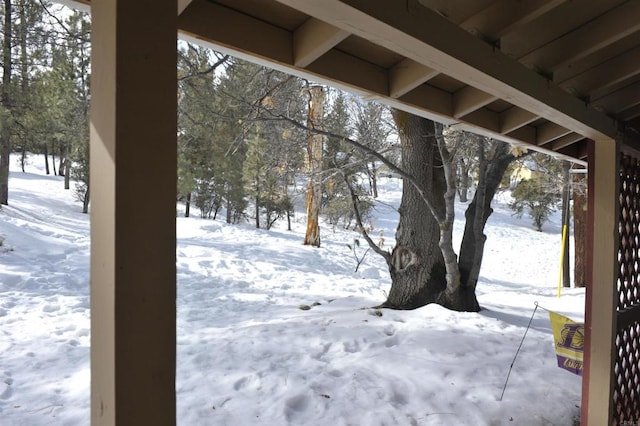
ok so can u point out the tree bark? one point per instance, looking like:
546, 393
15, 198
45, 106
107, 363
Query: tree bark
315, 148
416, 265
477, 214
187, 205
85, 201
580, 229
5, 132
463, 190
46, 159
67, 170
53, 159
373, 176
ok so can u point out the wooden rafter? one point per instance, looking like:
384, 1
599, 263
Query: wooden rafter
407, 75
588, 38
505, 16
313, 39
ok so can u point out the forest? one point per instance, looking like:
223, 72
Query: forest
251, 138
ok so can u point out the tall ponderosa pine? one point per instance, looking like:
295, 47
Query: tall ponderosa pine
199, 156
372, 131
315, 151
5, 114
77, 64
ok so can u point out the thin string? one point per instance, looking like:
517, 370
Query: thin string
521, 342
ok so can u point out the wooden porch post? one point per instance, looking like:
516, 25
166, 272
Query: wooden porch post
133, 185
601, 292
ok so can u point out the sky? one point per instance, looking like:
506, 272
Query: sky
248, 355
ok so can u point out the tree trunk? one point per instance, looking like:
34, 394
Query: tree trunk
53, 159
229, 208
374, 180
580, 229
187, 205
46, 159
416, 264
67, 170
5, 133
315, 148
257, 212
476, 215
85, 201
463, 190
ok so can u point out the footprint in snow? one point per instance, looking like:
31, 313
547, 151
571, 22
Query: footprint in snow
6, 393
352, 346
295, 407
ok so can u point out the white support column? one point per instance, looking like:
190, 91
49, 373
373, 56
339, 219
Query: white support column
597, 385
133, 186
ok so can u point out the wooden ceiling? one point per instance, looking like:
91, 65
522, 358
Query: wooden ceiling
545, 73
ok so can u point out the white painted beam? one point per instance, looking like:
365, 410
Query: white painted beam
313, 39
514, 118
236, 31
469, 99
407, 75
427, 38
550, 131
565, 141
182, 5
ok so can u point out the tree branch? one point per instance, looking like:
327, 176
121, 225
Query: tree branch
354, 198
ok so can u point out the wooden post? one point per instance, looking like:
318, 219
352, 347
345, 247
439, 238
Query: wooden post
315, 148
133, 240
601, 292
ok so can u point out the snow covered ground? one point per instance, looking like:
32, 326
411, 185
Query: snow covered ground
247, 355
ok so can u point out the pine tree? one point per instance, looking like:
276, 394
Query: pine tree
539, 195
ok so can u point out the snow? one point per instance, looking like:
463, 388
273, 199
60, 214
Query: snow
247, 354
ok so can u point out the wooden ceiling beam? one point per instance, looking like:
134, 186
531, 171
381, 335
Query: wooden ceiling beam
313, 39
235, 31
485, 119
469, 99
620, 100
564, 141
431, 40
630, 113
339, 66
182, 5
514, 118
429, 98
550, 131
505, 16
407, 75
526, 134
614, 25
605, 75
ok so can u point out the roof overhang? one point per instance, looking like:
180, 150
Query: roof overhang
548, 74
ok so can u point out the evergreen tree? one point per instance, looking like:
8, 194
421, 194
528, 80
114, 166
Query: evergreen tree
540, 194
371, 130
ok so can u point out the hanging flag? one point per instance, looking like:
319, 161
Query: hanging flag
569, 342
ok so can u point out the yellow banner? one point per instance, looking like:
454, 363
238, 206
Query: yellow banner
569, 342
